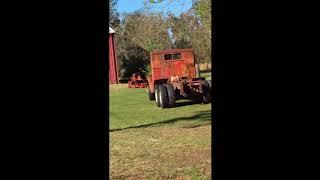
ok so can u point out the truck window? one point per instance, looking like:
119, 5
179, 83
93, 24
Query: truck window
174, 56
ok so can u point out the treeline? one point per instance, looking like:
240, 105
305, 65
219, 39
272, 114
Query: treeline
140, 32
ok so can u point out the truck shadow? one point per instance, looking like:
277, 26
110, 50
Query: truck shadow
203, 118
187, 103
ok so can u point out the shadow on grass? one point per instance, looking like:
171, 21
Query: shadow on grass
205, 71
186, 103
203, 117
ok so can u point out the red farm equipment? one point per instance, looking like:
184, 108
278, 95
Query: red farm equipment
173, 77
137, 82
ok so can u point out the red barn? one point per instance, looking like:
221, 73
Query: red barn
113, 69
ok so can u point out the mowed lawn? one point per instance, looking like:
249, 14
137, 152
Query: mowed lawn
147, 142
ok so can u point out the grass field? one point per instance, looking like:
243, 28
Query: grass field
147, 142
206, 75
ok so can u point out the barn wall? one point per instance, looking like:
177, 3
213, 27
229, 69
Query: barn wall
113, 70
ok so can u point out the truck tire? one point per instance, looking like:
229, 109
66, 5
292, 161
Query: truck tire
156, 94
151, 95
163, 96
171, 95
211, 95
209, 82
206, 96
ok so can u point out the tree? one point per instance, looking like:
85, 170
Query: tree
114, 19
188, 32
147, 30
192, 28
181, 30
202, 9
140, 33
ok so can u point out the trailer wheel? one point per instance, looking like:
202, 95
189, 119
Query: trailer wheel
163, 96
151, 95
171, 95
156, 94
206, 96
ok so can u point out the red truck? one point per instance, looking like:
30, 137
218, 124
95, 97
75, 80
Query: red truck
173, 77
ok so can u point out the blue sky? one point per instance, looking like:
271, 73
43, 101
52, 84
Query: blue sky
129, 5
177, 6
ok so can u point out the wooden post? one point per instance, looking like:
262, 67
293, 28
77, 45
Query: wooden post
197, 71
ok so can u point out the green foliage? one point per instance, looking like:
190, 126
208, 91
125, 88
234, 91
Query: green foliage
152, 1
147, 70
132, 61
203, 10
188, 32
145, 30
114, 19
150, 45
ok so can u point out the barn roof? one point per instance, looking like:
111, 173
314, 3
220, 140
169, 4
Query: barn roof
111, 30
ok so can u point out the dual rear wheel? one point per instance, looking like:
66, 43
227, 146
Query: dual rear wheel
164, 95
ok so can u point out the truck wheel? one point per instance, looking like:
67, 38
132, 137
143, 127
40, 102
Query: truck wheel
206, 96
163, 96
211, 97
151, 95
171, 95
209, 82
156, 94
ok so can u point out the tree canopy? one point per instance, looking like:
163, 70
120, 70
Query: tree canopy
145, 30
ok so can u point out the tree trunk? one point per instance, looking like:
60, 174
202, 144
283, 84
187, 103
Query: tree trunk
197, 71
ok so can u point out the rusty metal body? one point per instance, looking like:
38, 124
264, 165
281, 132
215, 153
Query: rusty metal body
164, 69
181, 63
175, 69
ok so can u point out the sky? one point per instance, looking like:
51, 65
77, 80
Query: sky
175, 6
129, 5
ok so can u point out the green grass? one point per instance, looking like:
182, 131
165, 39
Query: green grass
147, 142
206, 75
131, 107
